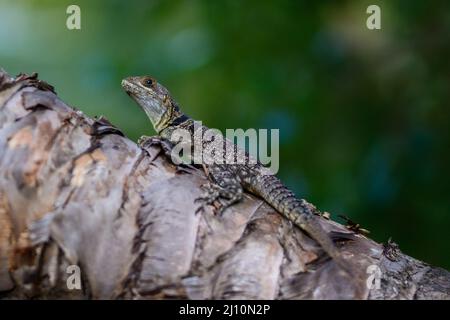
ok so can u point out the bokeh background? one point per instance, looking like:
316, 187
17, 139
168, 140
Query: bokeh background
363, 115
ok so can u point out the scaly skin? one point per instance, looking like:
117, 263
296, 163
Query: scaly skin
228, 180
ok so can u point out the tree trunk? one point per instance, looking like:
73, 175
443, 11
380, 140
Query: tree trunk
75, 193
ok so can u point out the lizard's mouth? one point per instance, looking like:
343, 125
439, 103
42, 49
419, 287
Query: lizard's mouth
128, 86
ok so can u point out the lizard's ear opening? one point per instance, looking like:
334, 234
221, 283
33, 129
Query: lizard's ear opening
148, 82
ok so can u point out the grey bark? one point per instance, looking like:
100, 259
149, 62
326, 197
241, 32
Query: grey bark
74, 191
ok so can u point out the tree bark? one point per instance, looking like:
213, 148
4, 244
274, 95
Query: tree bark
75, 191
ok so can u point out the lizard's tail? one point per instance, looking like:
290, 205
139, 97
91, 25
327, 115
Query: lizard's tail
350, 274
301, 213
310, 223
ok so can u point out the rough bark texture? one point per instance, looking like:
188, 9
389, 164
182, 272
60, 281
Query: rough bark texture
74, 191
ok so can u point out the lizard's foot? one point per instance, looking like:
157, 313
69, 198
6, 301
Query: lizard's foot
103, 126
210, 195
146, 142
225, 187
152, 140
166, 148
220, 197
227, 203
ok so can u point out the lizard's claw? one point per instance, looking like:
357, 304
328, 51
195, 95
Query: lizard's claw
220, 209
210, 195
145, 141
201, 209
148, 142
218, 197
166, 147
187, 168
204, 203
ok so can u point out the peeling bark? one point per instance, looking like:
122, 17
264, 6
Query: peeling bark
75, 191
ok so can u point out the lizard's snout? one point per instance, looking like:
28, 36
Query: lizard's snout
127, 86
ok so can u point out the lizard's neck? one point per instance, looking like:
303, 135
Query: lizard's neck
180, 122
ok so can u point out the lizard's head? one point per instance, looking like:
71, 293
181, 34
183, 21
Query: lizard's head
154, 99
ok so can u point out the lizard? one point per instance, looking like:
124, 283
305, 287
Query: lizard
227, 181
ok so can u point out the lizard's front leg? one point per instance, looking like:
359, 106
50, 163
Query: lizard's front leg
166, 145
224, 187
166, 148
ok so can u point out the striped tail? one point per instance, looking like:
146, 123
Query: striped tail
300, 212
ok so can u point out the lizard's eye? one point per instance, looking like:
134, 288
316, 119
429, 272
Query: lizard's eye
148, 82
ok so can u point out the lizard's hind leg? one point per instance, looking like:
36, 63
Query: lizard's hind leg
224, 188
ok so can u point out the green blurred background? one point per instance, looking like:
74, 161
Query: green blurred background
363, 115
